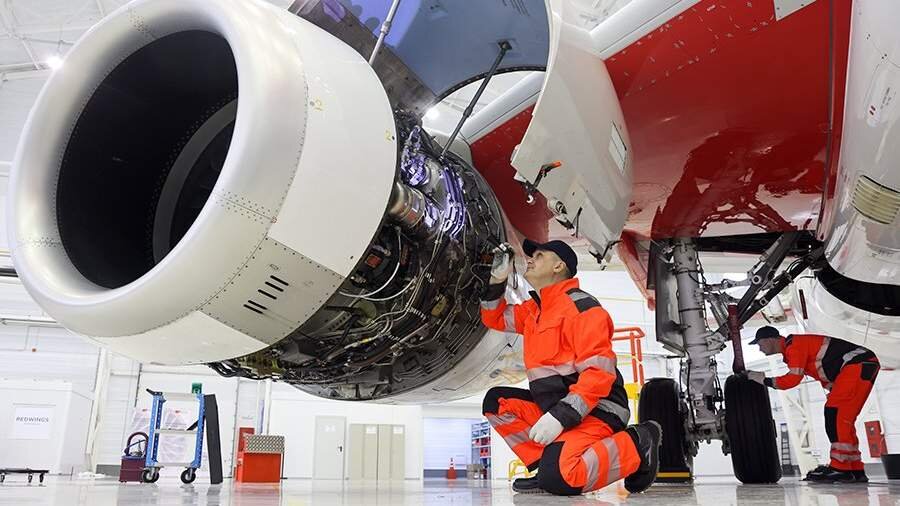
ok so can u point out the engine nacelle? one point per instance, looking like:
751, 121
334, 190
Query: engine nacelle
221, 182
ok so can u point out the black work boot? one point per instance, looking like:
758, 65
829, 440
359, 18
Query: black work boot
647, 437
527, 485
818, 470
860, 476
828, 474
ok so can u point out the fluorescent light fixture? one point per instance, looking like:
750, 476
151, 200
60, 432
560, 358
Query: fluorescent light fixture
27, 321
55, 62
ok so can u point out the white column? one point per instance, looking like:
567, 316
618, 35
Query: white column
101, 381
801, 434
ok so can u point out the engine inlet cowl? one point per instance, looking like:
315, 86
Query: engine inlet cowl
189, 153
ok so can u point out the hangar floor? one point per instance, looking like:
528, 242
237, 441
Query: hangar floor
718, 491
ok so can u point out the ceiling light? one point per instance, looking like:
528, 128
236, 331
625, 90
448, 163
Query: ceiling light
432, 114
55, 62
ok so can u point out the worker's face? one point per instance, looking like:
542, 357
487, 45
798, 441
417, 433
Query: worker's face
769, 346
543, 269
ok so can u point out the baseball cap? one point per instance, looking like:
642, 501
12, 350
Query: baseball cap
764, 333
562, 250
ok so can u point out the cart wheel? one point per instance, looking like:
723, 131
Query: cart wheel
2, 478
30, 477
188, 475
41, 478
149, 476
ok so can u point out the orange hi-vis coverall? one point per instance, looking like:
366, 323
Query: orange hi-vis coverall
572, 374
847, 372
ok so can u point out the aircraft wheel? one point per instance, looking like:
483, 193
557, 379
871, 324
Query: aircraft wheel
751, 432
661, 403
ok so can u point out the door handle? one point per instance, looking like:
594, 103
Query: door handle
340, 448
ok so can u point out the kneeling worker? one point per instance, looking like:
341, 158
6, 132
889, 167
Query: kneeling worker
570, 424
847, 372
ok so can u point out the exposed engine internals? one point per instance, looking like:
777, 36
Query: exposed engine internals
409, 312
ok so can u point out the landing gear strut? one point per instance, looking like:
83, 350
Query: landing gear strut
700, 345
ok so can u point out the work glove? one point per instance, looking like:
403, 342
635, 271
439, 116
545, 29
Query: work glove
503, 259
546, 430
759, 377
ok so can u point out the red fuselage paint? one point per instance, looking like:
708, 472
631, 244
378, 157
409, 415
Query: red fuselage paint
728, 114
491, 155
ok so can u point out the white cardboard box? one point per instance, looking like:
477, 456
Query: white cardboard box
43, 425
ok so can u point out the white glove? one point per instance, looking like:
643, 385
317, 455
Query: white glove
546, 430
502, 263
759, 377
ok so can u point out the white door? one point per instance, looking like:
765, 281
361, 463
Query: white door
328, 456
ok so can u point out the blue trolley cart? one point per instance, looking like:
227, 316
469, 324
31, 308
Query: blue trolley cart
152, 465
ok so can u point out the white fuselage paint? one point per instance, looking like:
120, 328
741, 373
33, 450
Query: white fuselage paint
859, 247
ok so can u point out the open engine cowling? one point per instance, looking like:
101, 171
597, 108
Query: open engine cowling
221, 182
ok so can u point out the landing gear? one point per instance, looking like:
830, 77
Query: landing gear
751, 432
661, 402
741, 417
681, 328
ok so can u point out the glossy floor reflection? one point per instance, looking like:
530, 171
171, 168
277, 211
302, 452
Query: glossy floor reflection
709, 491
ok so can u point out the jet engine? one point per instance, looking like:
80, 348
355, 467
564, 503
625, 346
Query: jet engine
222, 182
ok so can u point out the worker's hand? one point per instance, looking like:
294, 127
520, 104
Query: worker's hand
503, 258
546, 430
759, 377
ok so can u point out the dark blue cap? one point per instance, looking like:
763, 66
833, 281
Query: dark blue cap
562, 250
765, 333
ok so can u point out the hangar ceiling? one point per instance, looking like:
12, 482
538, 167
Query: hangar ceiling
32, 31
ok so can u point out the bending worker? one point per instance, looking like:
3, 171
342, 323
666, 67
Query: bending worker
570, 424
847, 372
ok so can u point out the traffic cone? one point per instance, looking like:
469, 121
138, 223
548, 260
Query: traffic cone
451, 473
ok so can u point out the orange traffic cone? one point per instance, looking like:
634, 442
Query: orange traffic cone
451, 473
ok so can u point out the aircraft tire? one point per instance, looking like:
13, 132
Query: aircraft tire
660, 402
751, 432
